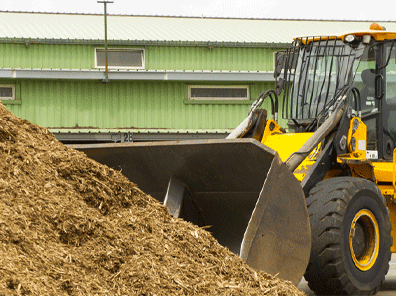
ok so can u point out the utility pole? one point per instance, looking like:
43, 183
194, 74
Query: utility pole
105, 27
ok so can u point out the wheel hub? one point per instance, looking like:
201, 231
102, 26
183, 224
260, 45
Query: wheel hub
364, 239
359, 241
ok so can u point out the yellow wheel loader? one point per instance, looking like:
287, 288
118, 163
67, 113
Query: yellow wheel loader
314, 197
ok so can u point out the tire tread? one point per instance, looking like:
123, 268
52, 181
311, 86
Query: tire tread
327, 204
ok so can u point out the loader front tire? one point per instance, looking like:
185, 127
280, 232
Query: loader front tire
351, 237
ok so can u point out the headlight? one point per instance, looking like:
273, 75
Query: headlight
349, 38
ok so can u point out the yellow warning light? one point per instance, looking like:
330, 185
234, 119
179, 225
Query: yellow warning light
375, 26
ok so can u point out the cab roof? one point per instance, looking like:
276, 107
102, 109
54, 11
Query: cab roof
376, 31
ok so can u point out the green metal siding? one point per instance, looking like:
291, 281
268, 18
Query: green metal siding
48, 56
71, 56
138, 105
206, 58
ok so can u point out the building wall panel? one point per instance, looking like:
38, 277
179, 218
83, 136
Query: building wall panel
134, 104
207, 58
76, 56
46, 56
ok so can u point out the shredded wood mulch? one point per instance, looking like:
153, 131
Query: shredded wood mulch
71, 226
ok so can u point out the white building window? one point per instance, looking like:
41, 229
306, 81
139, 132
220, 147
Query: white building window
7, 92
218, 92
120, 58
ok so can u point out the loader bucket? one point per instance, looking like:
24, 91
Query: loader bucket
240, 187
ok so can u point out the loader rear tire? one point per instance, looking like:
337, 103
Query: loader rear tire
351, 237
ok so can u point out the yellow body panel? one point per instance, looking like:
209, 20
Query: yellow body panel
383, 171
286, 144
392, 211
359, 136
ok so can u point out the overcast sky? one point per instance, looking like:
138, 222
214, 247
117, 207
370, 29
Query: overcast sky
280, 9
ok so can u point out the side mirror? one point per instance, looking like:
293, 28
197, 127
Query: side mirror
379, 87
279, 63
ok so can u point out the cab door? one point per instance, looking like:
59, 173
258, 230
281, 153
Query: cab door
364, 81
388, 102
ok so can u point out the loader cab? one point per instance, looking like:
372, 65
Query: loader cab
317, 69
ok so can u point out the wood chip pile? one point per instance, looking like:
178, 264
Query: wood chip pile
71, 226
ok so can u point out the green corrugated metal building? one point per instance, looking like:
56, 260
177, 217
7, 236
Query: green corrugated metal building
169, 77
